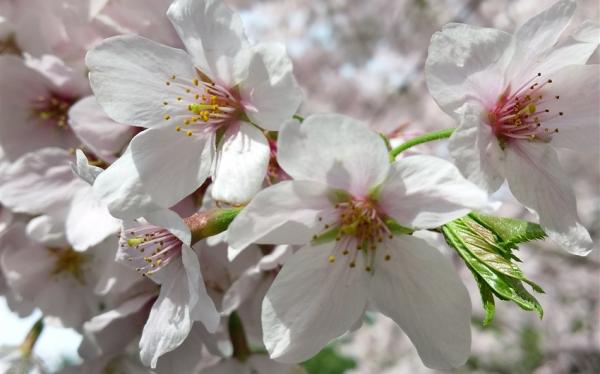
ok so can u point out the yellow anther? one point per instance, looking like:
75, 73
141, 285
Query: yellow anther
168, 83
158, 262
331, 259
189, 133
179, 98
188, 90
195, 82
197, 96
177, 128
165, 103
173, 76
167, 117
135, 241
387, 257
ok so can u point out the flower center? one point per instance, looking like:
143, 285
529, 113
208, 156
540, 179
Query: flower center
209, 105
68, 261
52, 110
149, 248
520, 114
359, 229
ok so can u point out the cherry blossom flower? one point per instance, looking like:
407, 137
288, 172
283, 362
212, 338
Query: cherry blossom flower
517, 98
344, 205
166, 257
202, 110
63, 283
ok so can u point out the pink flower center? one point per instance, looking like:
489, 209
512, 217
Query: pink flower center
359, 229
52, 109
149, 248
520, 114
68, 261
209, 105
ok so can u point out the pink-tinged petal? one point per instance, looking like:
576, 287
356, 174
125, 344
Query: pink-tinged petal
49, 230
160, 167
39, 181
88, 220
333, 149
21, 130
475, 150
132, 78
426, 192
269, 87
171, 221
101, 135
212, 33
285, 213
420, 290
537, 180
110, 332
537, 37
466, 63
190, 354
114, 278
32, 273
576, 112
66, 80
241, 165
311, 302
169, 322
202, 308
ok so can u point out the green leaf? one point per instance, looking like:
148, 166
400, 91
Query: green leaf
487, 298
491, 265
328, 361
481, 242
511, 231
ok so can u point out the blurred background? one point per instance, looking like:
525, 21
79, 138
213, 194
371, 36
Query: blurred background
365, 59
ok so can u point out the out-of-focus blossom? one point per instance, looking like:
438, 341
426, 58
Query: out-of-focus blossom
345, 197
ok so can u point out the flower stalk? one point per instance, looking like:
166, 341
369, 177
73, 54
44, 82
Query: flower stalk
429, 137
237, 335
26, 347
211, 222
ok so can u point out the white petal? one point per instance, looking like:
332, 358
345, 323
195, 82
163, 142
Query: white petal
39, 181
270, 88
333, 149
169, 322
475, 150
537, 36
103, 136
88, 220
578, 88
161, 167
202, 307
311, 302
83, 169
426, 192
420, 290
576, 51
285, 213
212, 33
466, 63
110, 332
242, 160
128, 75
537, 180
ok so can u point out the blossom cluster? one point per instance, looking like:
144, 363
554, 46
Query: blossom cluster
161, 194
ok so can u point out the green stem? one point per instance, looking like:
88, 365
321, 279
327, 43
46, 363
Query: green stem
26, 347
436, 135
237, 335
